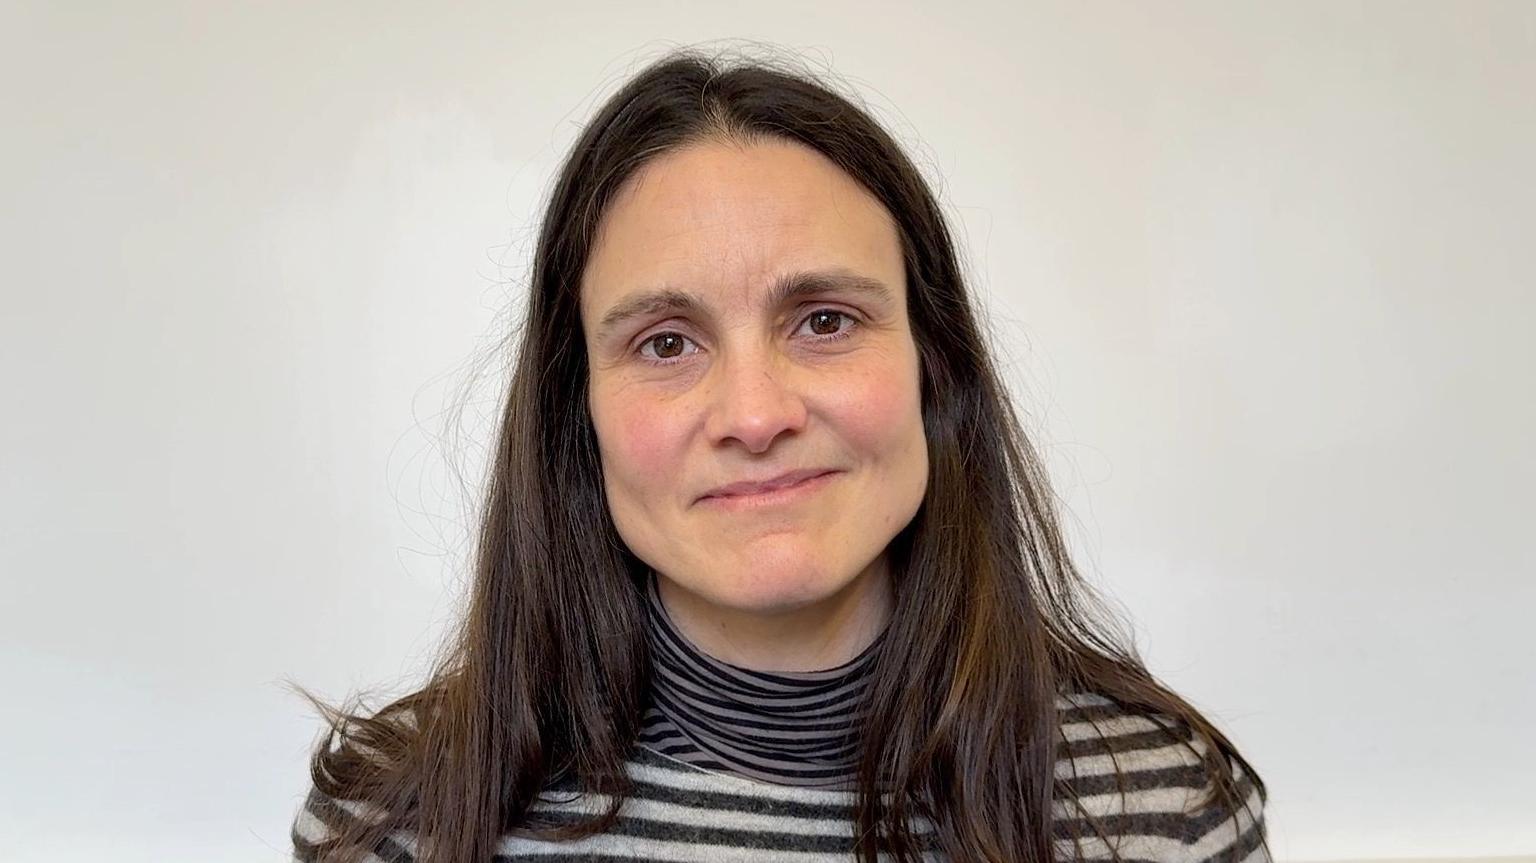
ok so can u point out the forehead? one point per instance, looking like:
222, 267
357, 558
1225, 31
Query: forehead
725, 220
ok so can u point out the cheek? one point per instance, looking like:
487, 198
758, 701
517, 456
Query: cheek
877, 411
640, 439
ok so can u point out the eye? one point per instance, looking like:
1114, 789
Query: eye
668, 345
821, 317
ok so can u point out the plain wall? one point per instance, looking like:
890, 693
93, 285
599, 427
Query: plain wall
1260, 275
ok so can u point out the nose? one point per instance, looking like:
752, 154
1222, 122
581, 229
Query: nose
753, 402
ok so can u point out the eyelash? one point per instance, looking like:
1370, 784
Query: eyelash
856, 323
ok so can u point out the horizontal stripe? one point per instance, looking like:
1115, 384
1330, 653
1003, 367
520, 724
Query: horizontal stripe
733, 764
792, 728
605, 848
679, 811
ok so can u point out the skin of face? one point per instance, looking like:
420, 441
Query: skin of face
739, 389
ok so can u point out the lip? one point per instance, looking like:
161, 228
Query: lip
780, 488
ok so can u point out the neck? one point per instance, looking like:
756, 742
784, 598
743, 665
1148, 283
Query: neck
818, 635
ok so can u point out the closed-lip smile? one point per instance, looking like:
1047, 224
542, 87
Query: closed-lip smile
750, 487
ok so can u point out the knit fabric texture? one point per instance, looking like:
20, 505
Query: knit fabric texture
790, 728
738, 766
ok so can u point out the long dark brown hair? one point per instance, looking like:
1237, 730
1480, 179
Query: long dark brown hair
546, 675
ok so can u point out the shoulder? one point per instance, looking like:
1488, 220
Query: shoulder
1137, 781
353, 764
322, 820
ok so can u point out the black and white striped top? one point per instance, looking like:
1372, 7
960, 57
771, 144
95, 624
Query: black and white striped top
724, 773
791, 728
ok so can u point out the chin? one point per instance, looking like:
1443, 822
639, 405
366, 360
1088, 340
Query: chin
770, 588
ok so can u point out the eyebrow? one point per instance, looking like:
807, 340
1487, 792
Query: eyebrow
789, 287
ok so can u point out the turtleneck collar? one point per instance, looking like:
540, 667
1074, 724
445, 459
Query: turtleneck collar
790, 728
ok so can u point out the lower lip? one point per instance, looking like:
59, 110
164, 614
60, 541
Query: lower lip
777, 497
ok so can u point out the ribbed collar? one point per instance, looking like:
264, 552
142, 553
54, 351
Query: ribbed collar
793, 728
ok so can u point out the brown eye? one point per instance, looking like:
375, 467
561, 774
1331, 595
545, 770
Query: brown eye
825, 322
666, 343
668, 347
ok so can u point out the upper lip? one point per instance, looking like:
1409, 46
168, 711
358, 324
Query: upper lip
759, 486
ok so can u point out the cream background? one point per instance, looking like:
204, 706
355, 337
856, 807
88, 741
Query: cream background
1261, 276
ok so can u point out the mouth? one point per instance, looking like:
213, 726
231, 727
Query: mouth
789, 489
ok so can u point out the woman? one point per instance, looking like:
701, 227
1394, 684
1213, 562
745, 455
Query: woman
767, 569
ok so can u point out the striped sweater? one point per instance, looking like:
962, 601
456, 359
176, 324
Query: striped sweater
681, 812
740, 766
788, 728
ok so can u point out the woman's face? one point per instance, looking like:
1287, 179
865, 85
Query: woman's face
704, 373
